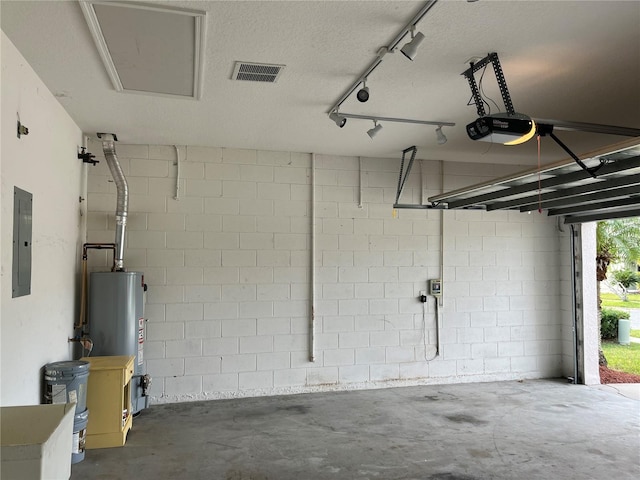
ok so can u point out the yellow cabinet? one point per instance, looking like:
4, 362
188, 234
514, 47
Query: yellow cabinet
109, 400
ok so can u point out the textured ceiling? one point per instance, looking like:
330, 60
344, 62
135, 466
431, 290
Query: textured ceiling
575, 61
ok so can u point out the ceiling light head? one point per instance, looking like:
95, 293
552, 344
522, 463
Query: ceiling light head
363, 93
410, 49
442, 139
374, 131
338, 119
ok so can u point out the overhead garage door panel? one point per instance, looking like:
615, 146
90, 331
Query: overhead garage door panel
563, 188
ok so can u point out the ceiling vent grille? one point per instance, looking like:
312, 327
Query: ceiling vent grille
257, 72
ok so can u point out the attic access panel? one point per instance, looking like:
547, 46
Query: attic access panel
562, 188
148, 48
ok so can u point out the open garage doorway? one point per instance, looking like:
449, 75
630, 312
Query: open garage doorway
601, 186
618, 299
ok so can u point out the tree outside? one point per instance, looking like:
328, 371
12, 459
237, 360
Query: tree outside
616, 241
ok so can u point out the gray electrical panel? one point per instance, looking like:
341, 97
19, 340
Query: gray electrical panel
21, 271
117, 324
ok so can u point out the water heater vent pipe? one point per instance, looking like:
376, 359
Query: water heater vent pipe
122, 206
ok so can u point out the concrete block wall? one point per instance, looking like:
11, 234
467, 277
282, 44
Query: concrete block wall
229, 271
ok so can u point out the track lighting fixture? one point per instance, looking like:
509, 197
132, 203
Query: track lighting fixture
363, 93
337, 118
410, 49
374, 131
377, 127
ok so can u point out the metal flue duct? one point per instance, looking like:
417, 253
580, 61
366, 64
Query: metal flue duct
122, 206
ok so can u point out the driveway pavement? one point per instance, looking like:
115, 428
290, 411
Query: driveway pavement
629, 390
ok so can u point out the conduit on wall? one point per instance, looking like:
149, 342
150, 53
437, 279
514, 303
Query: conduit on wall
421, 183
360, 186
441, 299
83, 192
177, 195
312, 280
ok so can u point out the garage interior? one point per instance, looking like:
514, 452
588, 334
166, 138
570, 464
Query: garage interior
346, 273
533, 429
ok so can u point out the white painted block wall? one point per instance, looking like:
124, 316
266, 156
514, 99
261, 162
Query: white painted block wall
229, 265
35, 328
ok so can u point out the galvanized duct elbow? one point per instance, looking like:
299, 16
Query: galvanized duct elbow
122, 206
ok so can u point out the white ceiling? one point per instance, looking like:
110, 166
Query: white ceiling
574, 61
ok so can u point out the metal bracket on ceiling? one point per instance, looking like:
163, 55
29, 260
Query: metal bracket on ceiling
101, 134
502, 83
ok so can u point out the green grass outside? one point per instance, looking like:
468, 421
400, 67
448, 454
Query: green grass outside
612, 300
624, 358
635, 333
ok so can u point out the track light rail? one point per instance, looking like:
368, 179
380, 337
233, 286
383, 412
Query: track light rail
382, 52
398, 120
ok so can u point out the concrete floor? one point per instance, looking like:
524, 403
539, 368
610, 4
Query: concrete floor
508, 430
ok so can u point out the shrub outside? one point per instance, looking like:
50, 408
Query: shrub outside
609, 322
627, 278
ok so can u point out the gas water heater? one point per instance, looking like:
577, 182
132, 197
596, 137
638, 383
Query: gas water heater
116, 299
117, 324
